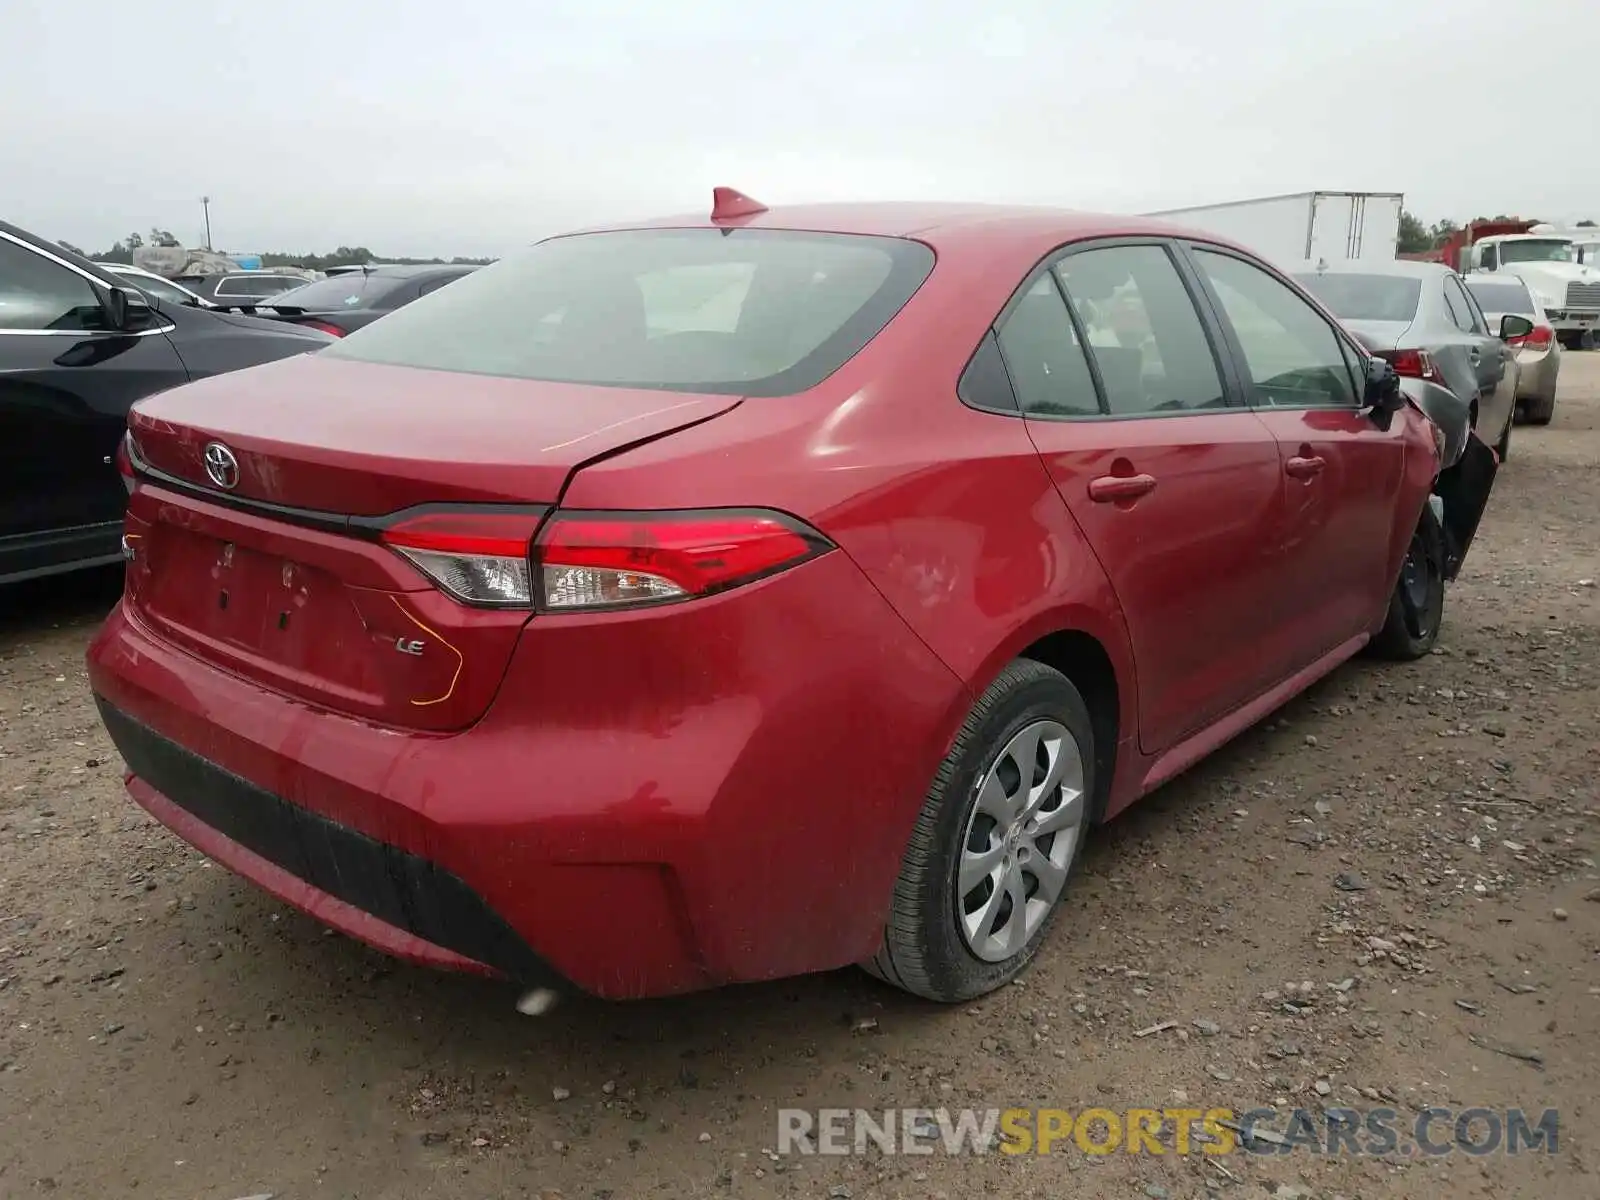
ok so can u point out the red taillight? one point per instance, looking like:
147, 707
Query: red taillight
1413, 364
608, 560
479, 556
324, 326
1539, 339
594, 560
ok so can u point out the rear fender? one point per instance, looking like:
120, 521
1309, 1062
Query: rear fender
1464, 489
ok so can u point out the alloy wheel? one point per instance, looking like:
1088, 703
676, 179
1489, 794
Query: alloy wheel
1027, 816
1419, 576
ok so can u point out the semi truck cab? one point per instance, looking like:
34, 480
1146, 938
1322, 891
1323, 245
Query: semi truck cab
1568, 290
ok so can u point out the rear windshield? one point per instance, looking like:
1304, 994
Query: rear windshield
752, 312
256, 285
355, 290
1365, 297
1501, 297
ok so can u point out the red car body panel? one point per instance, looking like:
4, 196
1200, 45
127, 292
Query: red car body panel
664, 799
660, 791
363, 439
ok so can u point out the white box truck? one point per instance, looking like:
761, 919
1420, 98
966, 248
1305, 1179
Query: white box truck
1303, 226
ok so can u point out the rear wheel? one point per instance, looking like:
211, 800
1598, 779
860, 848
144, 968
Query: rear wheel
996, 841
1502, 448
1541, 411
1416, 608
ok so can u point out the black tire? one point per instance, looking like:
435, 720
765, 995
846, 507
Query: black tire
1416, 606
924, 951
1502, 448
1541, 411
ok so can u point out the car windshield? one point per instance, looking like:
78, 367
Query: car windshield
1496, 297
1536, 250
355, 290
1365, 297
161, 289
741, 311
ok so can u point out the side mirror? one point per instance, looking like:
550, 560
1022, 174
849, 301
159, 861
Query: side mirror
1383, 392
127, 309
1513, 326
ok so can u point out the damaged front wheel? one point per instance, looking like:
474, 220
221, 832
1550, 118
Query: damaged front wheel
1416, 607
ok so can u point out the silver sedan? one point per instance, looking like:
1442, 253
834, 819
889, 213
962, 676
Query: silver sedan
1421, 318
1538, 354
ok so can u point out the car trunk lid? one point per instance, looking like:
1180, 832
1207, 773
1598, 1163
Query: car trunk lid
359, 439
1378, 335
281, 579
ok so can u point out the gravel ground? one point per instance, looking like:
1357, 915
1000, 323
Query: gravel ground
1384, 896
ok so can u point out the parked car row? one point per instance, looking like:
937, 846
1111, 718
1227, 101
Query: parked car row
79, 345
757, 592
343, 303
240, 287
1538, 352
1432, 325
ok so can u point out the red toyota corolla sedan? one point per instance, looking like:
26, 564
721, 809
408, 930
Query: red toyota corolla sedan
737, 596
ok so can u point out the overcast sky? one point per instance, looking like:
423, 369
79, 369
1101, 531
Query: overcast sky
474, 126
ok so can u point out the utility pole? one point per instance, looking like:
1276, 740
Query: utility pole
205, 203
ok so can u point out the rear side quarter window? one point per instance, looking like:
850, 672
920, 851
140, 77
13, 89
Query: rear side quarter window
1043, 357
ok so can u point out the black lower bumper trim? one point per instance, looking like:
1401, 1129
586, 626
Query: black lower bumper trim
1464, 488
397, 887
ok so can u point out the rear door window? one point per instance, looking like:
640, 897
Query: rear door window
756, 312
1144, 334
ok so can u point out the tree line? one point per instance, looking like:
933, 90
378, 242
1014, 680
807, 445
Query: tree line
122, 250
1416, 237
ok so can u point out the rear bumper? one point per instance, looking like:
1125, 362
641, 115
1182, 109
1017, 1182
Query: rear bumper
399, 902
1536, 376
653, 804
1464, 490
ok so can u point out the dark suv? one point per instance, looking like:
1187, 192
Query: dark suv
77, 348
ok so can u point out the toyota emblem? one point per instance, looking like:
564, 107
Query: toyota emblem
222, 468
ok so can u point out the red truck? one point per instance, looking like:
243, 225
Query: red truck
1568, 291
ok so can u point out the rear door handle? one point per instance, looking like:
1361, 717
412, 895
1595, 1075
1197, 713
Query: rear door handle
1304, 466
1109, 488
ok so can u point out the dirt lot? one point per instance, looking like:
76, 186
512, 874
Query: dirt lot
1415, 846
